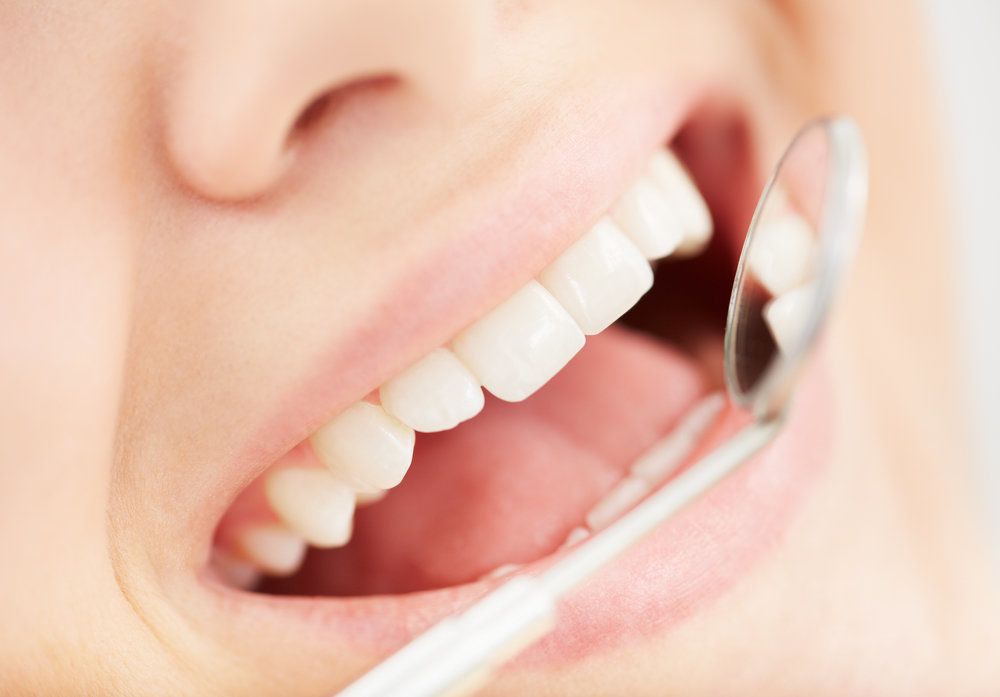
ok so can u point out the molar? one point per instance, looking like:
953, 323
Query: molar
599, 278
434, 394
365, 446
273, 548
519, 345
313, 503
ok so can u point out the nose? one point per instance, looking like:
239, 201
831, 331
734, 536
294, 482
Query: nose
245, 75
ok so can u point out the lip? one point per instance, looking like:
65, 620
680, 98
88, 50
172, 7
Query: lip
677, 570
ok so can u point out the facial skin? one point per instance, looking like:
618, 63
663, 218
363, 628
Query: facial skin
179, 245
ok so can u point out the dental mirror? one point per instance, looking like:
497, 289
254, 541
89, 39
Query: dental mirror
800, 242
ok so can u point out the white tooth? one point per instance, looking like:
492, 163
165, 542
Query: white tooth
621, 498
664, 456
685, 200
782, 253
500, 572
239, 573
645, 215
434, 394
599, 278
365, 497
272, 548
313, 503
519, 345
365, 446
575, 536
788, 315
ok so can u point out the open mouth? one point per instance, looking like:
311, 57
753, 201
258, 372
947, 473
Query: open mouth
515, 438
425, 484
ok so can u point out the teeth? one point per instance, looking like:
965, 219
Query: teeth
519, 345
434, 394
575, 536
501, 571
366, 447
599, 278
664, 456
239, 573
788, 314
364, 497
645, 215
782, 253
685, 201
313, 503
511, 351
272, 548
621, 498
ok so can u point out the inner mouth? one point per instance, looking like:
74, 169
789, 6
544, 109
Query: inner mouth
520, 480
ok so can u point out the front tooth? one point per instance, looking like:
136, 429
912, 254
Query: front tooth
599, 278
685, 200
434, 394
647, 218
273, 548
788, 314
782, 253
313, 503
519, 345
365, 446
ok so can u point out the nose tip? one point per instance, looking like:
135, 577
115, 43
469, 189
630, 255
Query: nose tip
250, 76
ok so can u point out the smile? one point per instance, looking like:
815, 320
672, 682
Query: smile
515, 437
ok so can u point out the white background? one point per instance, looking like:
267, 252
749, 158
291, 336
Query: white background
965, 36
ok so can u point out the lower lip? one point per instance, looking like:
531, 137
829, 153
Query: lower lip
678, 571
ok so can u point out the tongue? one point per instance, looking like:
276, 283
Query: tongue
508, 486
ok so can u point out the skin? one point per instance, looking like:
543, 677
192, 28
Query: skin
137, 221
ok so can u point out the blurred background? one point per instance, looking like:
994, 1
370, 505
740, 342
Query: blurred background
965, 37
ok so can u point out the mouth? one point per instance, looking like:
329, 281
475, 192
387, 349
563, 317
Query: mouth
497, 448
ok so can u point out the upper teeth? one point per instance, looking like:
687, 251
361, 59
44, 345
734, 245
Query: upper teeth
511, 351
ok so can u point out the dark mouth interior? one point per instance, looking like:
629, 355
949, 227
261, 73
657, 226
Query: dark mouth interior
686, 308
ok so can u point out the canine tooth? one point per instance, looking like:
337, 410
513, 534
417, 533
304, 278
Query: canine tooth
313, 503
434, 394
664, 456
685, 200
519, 345
782, 253
365, 446
787, 315
625, 494
599, 278
645, 215
273, 548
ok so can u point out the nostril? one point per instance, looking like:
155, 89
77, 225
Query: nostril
321, 113
312, 114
